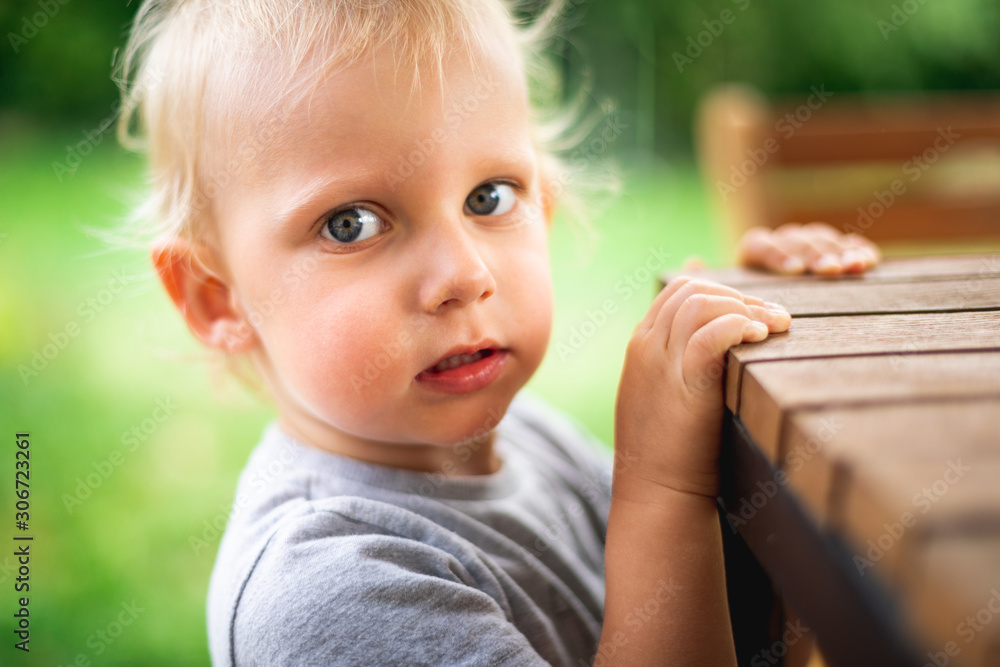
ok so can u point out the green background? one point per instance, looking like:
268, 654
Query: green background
131, 534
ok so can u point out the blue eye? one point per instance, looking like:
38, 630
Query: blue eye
351, 225
491, 199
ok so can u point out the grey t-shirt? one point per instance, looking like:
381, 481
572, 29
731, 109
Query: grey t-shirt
332, 561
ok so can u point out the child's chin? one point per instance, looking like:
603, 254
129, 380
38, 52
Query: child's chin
479, 431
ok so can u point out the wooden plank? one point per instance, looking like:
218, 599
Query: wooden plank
866, 335
762, 410
887, 425
826, 449
920, 269
865, 468
889, 510
891, 128
913, 218
844, 298
954, 595
772, 391
855, 622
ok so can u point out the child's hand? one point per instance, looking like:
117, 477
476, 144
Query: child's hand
670, 400
815, 248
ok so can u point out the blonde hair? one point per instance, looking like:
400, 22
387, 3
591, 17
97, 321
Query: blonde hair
199, 68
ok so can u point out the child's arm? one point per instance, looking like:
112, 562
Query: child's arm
666, 590
814, 248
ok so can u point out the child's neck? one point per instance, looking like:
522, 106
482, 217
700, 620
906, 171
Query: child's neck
471, 457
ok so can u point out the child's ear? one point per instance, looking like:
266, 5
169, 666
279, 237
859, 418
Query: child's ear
548, 208
548, 203
207, 303
548, 186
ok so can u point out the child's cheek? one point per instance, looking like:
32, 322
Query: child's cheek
343, 353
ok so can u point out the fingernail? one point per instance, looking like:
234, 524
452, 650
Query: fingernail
755, 329
828, 261
849, 257
793, 265
775, 306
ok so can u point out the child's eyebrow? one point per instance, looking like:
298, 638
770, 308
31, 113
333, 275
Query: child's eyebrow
512, 159
306, 200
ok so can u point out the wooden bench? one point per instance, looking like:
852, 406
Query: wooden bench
862, 462
894, 168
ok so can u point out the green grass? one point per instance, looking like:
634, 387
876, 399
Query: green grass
127, 536
602, 292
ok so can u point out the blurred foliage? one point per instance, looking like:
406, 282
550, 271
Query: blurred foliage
56, 55
130, 538
671, 53
654, 58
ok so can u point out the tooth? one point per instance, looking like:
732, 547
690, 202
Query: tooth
459, 360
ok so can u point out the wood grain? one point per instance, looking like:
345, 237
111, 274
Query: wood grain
772, 392
954, 588
890, 510
921, 269
895, 334
829, 451
848, 298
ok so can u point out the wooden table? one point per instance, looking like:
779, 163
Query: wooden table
862, 465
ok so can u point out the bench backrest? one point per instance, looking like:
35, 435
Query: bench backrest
916, 167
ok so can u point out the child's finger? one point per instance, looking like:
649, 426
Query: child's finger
693, 264
703, 353
854, 253
854, 256
819, 251
815, 247
821, 230
859, 254
700, 309
675, 286
774, 315
758, 248
668, 290
694, 289
856, 241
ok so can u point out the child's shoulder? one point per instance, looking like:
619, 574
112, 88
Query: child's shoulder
336, 576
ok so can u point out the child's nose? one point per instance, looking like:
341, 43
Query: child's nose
453, 269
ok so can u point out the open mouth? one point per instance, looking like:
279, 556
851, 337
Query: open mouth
458, 360
468, 371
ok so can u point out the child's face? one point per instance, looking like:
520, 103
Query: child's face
398, 227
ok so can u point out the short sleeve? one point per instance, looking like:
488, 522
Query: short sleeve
329, 589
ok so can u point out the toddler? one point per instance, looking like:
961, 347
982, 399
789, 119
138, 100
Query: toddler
354, 196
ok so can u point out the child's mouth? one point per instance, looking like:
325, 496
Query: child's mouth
458, 360
465, 372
